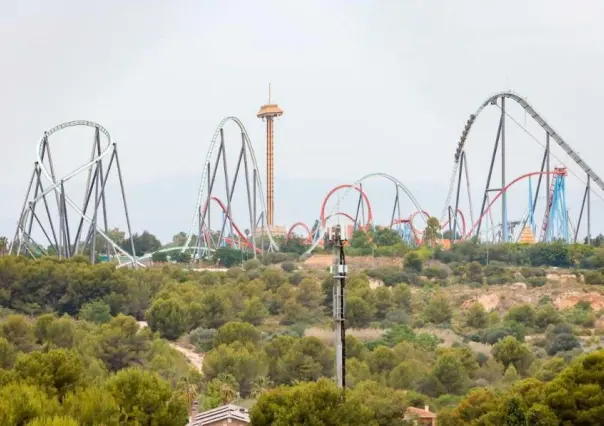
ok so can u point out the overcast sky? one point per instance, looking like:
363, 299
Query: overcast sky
367, 86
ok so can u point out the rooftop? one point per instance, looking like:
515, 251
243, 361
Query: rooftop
225, 412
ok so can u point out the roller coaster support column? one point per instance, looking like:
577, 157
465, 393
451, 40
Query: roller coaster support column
548, 165
586, 201
588, 209
504, 198
461, 163
339, 270
488, 188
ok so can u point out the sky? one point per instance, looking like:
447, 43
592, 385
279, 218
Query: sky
366, 87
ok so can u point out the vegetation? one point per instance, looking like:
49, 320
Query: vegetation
72, 350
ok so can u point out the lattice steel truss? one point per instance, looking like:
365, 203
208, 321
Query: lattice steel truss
202, 238
39, 217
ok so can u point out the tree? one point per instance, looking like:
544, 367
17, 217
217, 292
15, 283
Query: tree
451, 374
179, 239
3, 246
254, 311
8, 354
54, 421
159, 256
120, 344
359, 312
229, 257
316, 403
439, 310
18, 331
241, 332
244, 362
92, 404
360, 240
510, 351
143, 243
476, 316
432, 232
96, 311
21, 403
168, 317
385, 237
58, 371
145, 398
413, 262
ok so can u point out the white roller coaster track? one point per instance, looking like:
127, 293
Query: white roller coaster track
538, 118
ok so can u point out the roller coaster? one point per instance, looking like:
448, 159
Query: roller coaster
231, 196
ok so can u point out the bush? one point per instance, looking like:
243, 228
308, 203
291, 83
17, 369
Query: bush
202, 338
536, 281
289, 266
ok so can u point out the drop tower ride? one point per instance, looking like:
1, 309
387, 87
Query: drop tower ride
269, 112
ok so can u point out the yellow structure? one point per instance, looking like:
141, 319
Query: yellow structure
269, 112
527, 236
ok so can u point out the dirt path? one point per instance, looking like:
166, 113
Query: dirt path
193, 357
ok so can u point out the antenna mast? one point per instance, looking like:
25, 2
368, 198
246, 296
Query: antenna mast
340, 270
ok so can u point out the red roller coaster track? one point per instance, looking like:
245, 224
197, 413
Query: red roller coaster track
502, 191
241, 235
336, 189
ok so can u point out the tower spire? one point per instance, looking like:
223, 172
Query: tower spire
269, 112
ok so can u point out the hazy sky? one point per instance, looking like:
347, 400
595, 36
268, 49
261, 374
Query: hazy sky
366, 86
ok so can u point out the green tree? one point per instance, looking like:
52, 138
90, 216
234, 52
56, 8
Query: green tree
385, 237
451, 373
476, 316
514, 412
96, 311
58, 371
93, 406
21, 403
146, 399
18, 331
168, 317
413, 262
143, 243
316, 403
306, 360
8, 354
439, 309
510, 351
241, 332
54, 421
254, 311
120, 344
244, 362
159, 256
432, 232
359, 312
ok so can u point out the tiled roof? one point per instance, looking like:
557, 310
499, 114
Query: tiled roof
422, 414
225, 412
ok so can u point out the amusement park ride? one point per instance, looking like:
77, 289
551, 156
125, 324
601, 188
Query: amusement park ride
50, 213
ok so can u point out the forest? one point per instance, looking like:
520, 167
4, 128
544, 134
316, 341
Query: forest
74, 350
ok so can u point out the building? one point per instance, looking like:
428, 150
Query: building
421, 417
227, 415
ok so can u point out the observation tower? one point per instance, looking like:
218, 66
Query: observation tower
268, 112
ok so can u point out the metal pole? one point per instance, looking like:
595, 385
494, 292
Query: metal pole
462, 159
119, 173
581, 212
339, 309
488, 185
547, 170
504, 198
588, 209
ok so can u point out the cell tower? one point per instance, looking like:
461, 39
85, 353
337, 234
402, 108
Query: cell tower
268, 112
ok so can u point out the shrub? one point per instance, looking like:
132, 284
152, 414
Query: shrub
289, 266
202, 338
